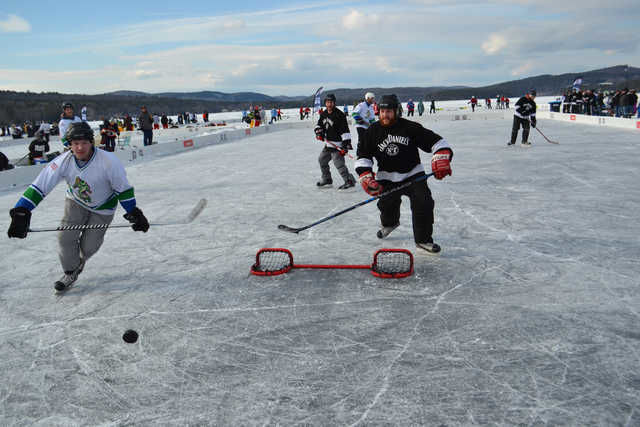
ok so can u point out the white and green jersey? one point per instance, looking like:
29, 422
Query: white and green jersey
97, 185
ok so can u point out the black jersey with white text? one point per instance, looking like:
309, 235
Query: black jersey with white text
395, 149
334, 126
525, 108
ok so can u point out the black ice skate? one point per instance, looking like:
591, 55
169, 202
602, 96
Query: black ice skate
348, 184
511, 143
69, 278
385, 231
428, 248
324, 183
526, 144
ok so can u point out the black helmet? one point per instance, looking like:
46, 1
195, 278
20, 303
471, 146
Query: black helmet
532, 92
389, 102
330, 97
78, 130
67, 105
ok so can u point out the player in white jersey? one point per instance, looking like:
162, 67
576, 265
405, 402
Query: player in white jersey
364, 115
66, 119
96, 182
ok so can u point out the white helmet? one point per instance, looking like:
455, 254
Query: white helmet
369, 95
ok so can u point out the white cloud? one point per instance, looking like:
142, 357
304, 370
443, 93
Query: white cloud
15, 24
523, 69
355, 20
494, 44
147, 74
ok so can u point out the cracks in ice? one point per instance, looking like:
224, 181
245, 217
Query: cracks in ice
387, 371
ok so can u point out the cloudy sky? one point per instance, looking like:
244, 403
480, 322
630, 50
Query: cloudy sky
292, 47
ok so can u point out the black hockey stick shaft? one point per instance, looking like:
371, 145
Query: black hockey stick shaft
192, 215
357, 205
548, 140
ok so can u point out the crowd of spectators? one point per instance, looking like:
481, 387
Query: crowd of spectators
621, 103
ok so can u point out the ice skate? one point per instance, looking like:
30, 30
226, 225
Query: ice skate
324, 183
69, 278
526, 144
385, 231
347, 184
428, 248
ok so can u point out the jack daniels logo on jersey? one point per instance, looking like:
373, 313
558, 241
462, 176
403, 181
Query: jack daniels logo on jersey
389, 144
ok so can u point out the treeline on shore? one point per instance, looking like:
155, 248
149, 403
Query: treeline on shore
18, 107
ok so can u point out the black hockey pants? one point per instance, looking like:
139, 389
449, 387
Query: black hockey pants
517, 122
422, 205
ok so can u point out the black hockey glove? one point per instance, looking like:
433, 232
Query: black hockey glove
346, 145
533, 122
20, 219
138, 220
319, 133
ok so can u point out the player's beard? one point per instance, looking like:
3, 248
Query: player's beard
389, 122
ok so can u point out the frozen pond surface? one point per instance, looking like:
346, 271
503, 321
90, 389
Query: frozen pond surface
529, 316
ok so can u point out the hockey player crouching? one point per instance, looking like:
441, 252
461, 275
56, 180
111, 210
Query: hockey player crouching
97, 182
394, 143
332, 126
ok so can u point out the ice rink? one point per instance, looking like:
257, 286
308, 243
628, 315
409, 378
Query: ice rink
530, 316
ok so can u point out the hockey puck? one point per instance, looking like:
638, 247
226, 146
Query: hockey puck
130, 336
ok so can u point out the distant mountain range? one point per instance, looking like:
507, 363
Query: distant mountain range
545, 84
21, 106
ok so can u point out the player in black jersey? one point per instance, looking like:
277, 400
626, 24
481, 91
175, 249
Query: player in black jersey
524, 115
394, 142
332, 128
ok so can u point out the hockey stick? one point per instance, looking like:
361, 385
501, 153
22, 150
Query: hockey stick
548, 140
192, 215
340, 149
357, 205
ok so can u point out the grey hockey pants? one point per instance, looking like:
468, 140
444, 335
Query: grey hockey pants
82, 244
326, 155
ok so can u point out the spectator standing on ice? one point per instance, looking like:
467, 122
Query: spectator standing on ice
66, 119
145, 123
332, 127
364, 115
96, 181
410, 108
432, 108
165, 121
46, 130
473, 102
421, 108
524, 116
394, 143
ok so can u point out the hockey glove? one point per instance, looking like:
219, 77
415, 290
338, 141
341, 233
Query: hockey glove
20, 219
360, 121
441, 164
369, 183
319, 133
346, 145
138, 220
533, 122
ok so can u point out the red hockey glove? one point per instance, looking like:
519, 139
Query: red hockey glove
369, 183
441, 164
319, 133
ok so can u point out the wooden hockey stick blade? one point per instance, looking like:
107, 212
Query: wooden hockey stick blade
197, 209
